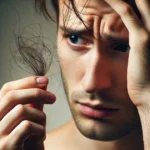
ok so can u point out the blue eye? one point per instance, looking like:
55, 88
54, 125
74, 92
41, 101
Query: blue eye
76, 40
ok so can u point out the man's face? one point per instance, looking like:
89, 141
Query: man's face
94, 69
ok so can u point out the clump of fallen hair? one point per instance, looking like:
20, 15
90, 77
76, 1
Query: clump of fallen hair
36, 57
32, 54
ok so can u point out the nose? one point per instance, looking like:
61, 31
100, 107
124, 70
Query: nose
97, 73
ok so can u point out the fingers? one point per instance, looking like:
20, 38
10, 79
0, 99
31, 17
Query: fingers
144, 8
138, 35
127, 15
23, 131
26, 129
17, 115
29, 82
26, 83
18, 121
13, 98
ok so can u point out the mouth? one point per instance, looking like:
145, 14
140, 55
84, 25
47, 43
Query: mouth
97, 111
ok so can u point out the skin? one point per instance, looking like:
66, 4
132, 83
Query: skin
92, 72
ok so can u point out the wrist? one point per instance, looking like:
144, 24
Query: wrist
144, 114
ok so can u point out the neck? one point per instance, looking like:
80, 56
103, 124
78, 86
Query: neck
132, 141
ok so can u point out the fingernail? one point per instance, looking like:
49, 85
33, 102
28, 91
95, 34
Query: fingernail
50, 97
42, 80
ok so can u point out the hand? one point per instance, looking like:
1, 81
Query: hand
138, 71
21, 123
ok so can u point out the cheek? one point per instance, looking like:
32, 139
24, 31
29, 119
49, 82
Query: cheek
71, 64
72, 70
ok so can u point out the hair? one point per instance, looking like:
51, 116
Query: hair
36, 57
41, 5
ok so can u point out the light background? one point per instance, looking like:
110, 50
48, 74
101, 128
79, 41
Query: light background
15, 16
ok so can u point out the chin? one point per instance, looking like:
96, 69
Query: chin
103, 130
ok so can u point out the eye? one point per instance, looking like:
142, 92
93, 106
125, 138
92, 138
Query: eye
76, 40
124, 48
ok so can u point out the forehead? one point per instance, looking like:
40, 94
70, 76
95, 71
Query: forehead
80, 4
87, 9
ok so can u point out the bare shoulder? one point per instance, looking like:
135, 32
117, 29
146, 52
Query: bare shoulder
58, 139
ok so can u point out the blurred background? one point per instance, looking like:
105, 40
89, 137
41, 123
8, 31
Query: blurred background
18, 17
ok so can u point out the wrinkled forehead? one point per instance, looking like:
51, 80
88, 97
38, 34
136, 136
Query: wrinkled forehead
88, 10
84, 4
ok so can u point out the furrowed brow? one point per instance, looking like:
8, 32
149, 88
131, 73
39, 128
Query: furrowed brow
76, 31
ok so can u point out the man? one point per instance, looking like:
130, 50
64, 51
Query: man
103, 48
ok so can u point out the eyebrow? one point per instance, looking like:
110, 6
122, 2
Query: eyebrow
83, 31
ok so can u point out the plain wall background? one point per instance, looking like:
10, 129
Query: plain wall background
15, 16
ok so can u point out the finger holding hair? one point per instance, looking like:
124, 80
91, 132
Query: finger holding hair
25, 83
